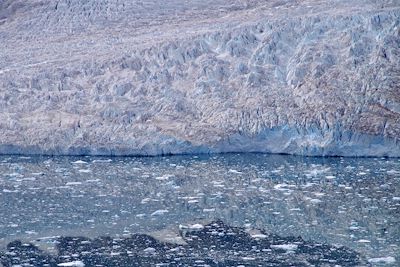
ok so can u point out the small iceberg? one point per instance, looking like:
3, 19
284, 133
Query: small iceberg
387, 260
79, 162
72, 264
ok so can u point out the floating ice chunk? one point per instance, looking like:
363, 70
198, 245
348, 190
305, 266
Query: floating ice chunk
145, 200
84, 170
307, 185
196, 226
234, 171
79, 162
260, 236
72, 264
387, 260
102, 160
317, 171
193, 227
330, 177
164, 177
285, 246
396, 198
209, 210
315, 200
73, 183
363, 241
159, 212
31, 232
248, 258
31, 179
10, 191
149, 250
93, 180
280, 187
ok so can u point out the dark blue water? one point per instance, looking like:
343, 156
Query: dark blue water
337, 201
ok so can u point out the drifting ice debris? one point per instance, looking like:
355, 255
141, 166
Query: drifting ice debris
387, 260
285, 246
72, 264
79, 162
159, 212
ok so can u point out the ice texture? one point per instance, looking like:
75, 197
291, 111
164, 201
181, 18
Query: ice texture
152, 77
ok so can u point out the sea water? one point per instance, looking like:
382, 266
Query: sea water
351, 202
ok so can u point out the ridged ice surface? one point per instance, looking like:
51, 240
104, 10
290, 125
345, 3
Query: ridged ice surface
158, 77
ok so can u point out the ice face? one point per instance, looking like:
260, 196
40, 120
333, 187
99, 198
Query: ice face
168, 77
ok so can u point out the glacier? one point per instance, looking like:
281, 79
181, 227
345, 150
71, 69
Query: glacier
152, 77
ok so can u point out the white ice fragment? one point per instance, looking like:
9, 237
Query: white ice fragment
209, 210
31, 179
159, 212
149, 250
145, 200
79, 162
93, 180
72, 264
363, 241
276, 171
114, 254
10, 191
102, 160
260, 236
280, 187
196, 226
234, 171
248, 258
84, 170
193, 227
317, 171
330, 177
315, 200
164, 177
285, 246
387, 260
73, 183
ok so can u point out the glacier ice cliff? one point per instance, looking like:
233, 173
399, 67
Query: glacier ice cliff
120, 77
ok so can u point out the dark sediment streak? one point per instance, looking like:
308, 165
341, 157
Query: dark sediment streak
215, 244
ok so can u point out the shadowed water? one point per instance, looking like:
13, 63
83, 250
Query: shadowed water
331, 202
